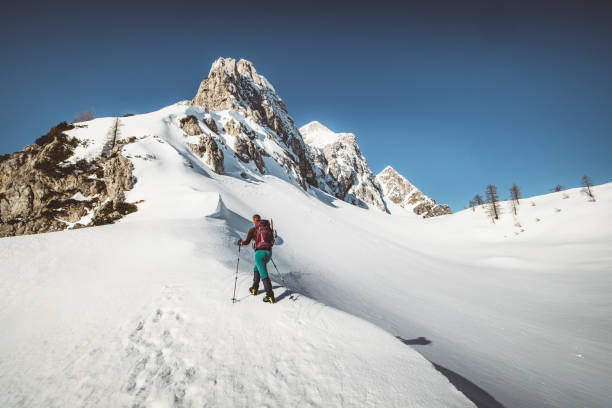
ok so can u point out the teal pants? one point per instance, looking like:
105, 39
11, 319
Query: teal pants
262, 257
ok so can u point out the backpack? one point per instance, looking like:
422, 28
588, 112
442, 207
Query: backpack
264, 236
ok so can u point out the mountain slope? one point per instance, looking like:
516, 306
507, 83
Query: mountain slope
236, 124
498, 308
236, 87
343, 168
520, 308
139, 313
400, 194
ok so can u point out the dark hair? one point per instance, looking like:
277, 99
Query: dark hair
257, 217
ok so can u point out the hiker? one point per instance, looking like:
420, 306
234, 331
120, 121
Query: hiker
263, 237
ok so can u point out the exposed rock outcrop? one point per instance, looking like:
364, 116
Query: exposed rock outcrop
236, 85
211, 124
190, 125
246, 151
399, 191
209, 150
341, 165
42, 191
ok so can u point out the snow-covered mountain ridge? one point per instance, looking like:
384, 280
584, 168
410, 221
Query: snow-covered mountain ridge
139, 314
236, 124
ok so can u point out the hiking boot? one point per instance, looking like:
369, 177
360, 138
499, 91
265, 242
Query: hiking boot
269, 299
253, 291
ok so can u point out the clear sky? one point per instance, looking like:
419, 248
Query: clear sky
454, 95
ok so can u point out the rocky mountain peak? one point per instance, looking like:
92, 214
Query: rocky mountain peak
341, 167
318, 135
237, 86
401, 193
390, 170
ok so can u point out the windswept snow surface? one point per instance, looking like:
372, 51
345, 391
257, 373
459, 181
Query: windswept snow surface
139, 313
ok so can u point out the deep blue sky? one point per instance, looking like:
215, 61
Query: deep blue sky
454, 95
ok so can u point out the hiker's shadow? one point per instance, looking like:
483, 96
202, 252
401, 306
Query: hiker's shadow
419, 341
288, 294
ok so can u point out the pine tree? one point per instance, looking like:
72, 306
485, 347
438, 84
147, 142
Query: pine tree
478, 200
587, 184
515, 194
558, 188
492, 202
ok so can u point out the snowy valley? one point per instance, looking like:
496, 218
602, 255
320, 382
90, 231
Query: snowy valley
377, 282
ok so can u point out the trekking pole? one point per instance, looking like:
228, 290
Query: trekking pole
236, 280
279, 274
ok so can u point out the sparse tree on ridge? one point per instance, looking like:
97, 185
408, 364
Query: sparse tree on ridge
558, 188
112, 134
515, 193
478, 200
472, 205
492, 202
587, 184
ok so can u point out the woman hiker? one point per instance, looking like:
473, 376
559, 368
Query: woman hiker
263, 235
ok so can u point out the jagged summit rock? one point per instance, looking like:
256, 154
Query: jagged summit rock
236, 85
341, 168
403, 194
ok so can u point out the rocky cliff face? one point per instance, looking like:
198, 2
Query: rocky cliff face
42, 191
235, 85
403, 194
341, 168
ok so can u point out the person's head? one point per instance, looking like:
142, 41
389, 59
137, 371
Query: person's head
256, 218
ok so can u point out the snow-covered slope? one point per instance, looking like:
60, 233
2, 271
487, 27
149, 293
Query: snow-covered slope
341, 168
139, 314
403, 197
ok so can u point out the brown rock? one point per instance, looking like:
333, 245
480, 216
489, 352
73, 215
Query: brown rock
208, 149
190, 125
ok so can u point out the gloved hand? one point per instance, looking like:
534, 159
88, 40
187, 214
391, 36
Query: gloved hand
239, 242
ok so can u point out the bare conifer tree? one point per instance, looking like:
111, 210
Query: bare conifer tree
587, 184
515, 193
493, 202
112, 134
83, 116
472, 205
478, 200
558, 188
